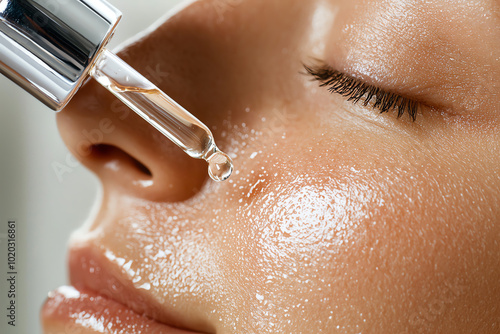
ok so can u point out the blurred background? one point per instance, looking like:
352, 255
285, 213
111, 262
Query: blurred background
46, 206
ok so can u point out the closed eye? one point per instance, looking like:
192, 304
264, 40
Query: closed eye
358, 91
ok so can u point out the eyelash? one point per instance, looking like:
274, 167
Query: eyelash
356, 90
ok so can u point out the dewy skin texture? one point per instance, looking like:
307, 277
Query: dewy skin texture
338, 219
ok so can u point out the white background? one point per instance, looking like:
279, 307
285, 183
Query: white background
46, 210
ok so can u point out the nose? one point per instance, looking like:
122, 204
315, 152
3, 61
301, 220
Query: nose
126, 153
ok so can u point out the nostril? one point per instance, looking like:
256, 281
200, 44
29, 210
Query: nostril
106, 152
145, 170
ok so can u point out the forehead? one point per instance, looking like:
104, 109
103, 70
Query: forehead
422, 41
420, 20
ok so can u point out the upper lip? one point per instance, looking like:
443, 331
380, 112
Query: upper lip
90, 269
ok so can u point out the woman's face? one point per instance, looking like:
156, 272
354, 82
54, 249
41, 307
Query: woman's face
337, 218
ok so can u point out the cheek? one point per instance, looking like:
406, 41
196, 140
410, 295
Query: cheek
371, 221
304, 218
296, 232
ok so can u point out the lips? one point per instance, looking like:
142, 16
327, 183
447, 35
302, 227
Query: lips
68, 310
103, 300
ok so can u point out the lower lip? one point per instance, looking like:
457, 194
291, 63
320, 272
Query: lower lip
68, 310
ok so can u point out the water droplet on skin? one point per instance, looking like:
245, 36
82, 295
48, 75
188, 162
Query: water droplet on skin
220, 166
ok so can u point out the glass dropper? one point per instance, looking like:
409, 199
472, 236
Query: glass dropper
50, 50
162, 112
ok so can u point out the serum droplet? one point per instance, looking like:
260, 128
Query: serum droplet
220, 166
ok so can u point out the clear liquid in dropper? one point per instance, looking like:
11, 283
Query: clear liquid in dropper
220, 166
162, 112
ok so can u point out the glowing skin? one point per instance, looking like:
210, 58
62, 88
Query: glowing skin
337, 219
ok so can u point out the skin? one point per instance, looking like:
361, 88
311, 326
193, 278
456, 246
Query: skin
338, 219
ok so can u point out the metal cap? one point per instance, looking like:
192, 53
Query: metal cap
48, 46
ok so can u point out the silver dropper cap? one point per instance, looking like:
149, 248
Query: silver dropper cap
48, 46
